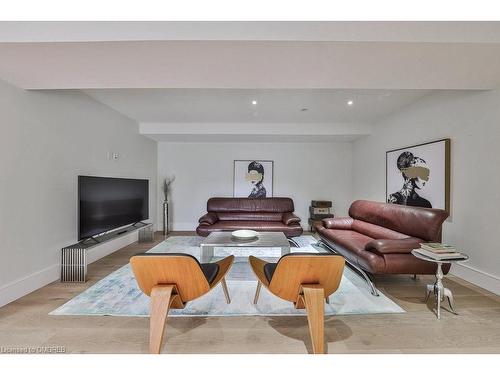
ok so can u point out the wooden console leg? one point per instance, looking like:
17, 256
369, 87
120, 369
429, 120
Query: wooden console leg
314, 299
161, 298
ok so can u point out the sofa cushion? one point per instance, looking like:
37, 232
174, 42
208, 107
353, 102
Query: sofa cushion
208, 219
347, 242
243, 224
250, 216
389, 246
337, 222
290, 218
348, 239
376, 231
418, 222
250, 205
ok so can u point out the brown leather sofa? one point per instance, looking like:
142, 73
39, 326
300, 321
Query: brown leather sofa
378, 237
259, 214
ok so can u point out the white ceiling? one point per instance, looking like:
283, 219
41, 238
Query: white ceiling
223, 105
208, 72
250, 138
258, 55
340, 31
254, 132
251, 64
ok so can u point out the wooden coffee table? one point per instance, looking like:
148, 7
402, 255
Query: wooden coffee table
239, 248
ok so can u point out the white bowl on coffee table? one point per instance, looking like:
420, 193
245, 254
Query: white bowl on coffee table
245, 234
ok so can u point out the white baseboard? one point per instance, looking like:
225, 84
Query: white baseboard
25, 285
188, 227
477, 277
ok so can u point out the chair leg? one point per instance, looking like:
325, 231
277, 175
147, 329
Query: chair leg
226, 292
314, 299
257, 293
161, 298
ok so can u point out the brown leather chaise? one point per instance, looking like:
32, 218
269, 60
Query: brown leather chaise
377, 238
259, 214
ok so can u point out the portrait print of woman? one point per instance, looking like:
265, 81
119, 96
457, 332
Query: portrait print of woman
253, 178
415, 176
419, 175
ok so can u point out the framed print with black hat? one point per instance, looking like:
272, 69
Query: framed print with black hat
253, 178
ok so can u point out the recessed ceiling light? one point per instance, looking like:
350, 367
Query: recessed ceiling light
254, 102
350, 102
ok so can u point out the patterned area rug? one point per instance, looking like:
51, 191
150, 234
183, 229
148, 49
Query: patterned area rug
118, 295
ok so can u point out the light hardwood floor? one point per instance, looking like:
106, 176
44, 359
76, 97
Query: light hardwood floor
26, 323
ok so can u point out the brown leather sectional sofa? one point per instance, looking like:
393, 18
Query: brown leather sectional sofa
259, 214
378, 237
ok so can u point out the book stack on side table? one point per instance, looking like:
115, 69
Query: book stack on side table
318, 211
439, 251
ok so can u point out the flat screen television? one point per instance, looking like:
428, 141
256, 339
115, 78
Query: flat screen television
106, 203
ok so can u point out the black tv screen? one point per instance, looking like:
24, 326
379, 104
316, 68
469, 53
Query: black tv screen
107, 203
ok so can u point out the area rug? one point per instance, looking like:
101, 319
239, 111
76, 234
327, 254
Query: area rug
118, 295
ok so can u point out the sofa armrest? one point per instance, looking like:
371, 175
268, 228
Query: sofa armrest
338, 223
208, 219
403, 246
290, 218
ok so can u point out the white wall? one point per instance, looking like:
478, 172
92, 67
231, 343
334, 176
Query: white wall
46, 140
302, 171
472, 121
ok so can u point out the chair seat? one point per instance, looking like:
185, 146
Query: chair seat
269, 269
210, 270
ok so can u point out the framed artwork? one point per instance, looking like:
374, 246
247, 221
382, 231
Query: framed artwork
419, 175
253, 178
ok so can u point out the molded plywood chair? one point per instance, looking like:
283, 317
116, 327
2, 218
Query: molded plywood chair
306, 280
171, 280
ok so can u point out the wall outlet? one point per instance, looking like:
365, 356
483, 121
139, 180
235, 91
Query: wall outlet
112, 155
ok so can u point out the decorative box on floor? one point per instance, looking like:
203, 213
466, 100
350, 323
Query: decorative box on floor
318, 211
74, 257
